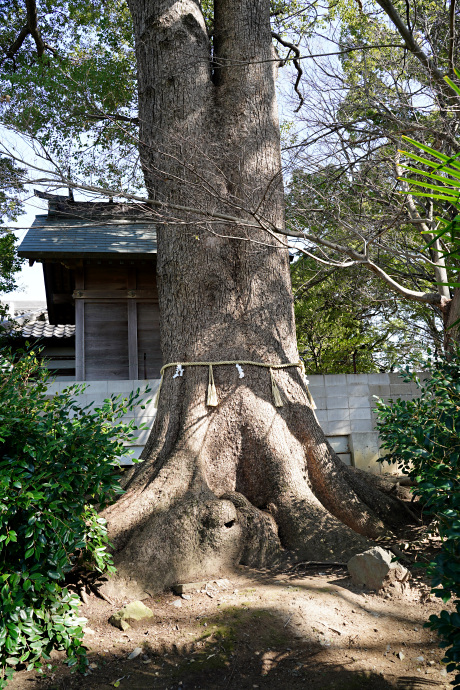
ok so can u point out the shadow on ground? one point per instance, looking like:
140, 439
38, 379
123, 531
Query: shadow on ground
238, 648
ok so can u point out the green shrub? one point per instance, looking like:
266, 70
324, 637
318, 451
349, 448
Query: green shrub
57, 463
423, 437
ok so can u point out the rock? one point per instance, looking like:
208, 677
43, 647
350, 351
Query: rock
400, 655
374, 569
130, 614
135, 653
177, 603
187, 587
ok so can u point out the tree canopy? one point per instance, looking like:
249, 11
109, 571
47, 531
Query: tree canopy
10, 207
386, 81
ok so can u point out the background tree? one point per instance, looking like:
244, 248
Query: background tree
10, 207
386, 81
372, 308
346, 324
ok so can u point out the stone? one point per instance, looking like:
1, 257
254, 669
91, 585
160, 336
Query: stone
187, 587
223, 583
130, 614
135, 653
374, 569
88, 631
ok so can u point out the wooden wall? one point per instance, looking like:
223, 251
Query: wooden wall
106, 340
117, 320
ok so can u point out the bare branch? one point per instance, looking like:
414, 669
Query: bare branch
451, 37
412, 45
114, 117
296, 51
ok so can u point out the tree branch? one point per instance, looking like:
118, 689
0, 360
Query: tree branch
412, 45
296, 51
439, 261
451, 37
30, 29
114, 116
15, 46
433, 298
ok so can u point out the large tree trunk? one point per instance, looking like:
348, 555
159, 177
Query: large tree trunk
244, 480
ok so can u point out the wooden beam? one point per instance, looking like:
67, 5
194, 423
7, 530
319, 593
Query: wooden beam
62, 298
115, 294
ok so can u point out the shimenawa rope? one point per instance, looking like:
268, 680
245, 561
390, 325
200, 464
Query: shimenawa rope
212, 400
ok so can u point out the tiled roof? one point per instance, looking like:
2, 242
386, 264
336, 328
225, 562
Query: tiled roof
57, 237
42, 329
37, 326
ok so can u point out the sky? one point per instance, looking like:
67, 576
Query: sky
30, 281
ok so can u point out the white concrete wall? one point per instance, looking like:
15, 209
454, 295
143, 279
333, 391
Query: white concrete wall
345, 404
345, 409
97, 391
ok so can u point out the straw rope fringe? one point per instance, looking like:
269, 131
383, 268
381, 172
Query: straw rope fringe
275, 391
212, 400
212, 393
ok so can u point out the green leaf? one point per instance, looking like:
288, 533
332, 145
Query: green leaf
452, 85
435, 188
433, 152
451, 199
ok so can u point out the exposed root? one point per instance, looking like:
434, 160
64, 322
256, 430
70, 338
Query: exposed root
225, 493
261, 546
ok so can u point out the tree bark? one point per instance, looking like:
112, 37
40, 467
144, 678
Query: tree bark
451, 332
243, 481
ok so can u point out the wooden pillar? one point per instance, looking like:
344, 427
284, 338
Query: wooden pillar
132, 339
79, 326
132, 324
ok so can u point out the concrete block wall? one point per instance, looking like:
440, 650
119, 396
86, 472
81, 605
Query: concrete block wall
345, 404
97, 391
345, 410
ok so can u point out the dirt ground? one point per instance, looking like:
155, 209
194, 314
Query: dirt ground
301, 628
